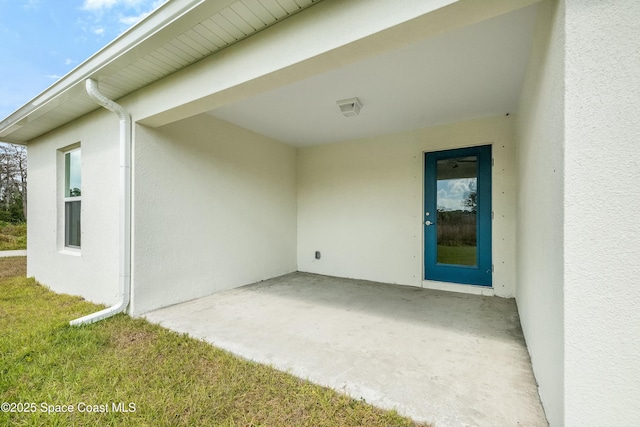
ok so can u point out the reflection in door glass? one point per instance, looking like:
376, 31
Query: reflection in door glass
457, 210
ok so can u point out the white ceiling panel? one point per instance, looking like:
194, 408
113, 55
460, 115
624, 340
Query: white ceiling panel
238, 21
257, 8
275, 9
214, 41
248, 16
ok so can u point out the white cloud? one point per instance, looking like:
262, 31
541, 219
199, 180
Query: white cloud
111, 17
130, 20
108, 4
452, 193
99, 4
53, 76
31, 4
68, 61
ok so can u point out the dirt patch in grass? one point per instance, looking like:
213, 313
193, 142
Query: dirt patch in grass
127, 338
13, 266
160, 377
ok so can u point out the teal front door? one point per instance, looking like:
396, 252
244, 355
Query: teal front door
457, 216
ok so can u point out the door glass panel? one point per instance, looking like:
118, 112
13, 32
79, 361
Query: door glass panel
457, 210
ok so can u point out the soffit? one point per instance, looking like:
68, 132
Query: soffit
176, 35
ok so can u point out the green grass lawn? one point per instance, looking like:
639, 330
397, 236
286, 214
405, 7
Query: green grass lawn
161, 377
460, 255
13, 236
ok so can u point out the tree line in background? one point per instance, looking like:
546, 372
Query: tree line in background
13, 183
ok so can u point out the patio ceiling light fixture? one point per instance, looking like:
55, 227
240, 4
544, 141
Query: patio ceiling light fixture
350, 107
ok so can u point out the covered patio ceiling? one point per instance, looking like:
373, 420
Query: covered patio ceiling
470, 72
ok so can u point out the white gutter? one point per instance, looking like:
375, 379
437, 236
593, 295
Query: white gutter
125, 206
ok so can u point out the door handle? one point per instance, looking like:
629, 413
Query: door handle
428, 223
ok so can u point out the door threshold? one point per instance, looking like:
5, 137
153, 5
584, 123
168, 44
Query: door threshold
459, 287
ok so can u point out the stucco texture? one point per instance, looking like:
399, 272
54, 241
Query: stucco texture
93, 270
540, 169
601, 204
214, 208
360, 203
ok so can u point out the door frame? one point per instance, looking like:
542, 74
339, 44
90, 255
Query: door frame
482, 273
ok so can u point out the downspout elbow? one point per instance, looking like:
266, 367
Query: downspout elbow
125, 206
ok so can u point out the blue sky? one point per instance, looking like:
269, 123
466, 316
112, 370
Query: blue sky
42, 40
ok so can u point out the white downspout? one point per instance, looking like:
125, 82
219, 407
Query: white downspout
125, 206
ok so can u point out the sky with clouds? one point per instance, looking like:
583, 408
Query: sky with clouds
42, 40
452, 193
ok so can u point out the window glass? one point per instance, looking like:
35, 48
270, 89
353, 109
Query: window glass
72, 201
73, 179
72, 221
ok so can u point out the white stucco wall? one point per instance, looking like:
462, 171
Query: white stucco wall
214, 208
601, 205
360, 203
539, 148
93, 271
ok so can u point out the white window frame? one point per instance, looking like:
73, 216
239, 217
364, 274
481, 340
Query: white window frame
69, 200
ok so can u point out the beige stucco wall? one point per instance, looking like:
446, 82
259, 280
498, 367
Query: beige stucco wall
578, 251
601, 205
540, 169
214, 208
360, 203
92, 271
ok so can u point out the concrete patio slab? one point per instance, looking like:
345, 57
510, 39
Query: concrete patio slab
5, 254
447, 358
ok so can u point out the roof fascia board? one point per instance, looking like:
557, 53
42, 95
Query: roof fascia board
249, 67
154, 30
